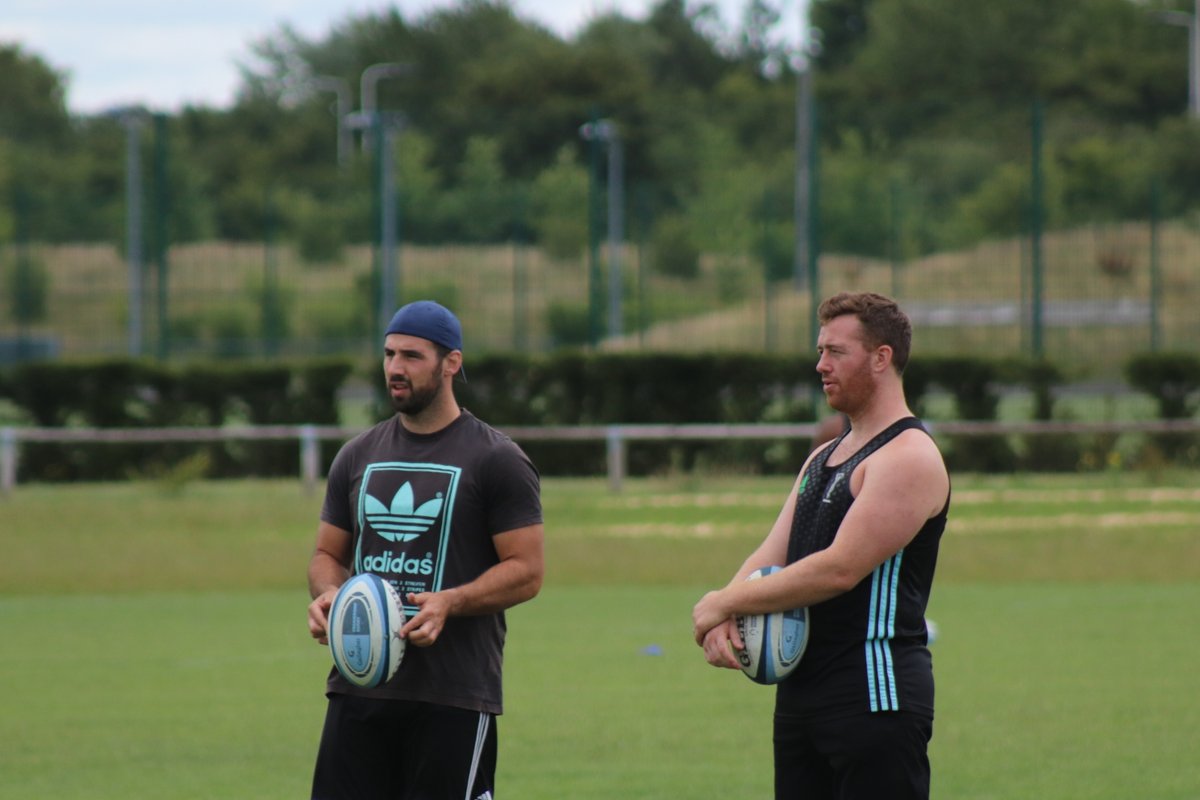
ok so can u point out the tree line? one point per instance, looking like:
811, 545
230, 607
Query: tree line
923, 108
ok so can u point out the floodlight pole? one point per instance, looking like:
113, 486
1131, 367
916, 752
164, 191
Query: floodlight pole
807, 246
133, 227
132, 119
1193, 26
388, 278
385, 126
803, 176
341, 88
1194, 63
606, 131
368, 82
379, 130
1190, 21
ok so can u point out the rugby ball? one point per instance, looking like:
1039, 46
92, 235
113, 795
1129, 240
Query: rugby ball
774, 642
364, 630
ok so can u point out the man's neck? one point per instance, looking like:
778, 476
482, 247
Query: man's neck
886, 407
432, 419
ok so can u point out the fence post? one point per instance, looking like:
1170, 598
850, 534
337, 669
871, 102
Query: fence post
162, 231
8, 460
615, 446
309, 457
1155, 265
1037, 209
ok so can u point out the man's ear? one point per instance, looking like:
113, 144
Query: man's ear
881, 359
452, 364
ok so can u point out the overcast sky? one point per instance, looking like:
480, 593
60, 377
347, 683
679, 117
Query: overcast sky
167, 53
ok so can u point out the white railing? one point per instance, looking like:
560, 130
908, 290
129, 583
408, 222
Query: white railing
615, 437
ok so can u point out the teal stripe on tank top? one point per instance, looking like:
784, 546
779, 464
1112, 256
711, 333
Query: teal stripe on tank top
881, 627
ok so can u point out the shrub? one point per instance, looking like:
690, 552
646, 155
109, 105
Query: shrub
1170, 378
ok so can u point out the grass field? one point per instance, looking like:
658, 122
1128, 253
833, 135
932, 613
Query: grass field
155, 643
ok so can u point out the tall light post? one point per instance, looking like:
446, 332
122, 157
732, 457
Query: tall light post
379, 131
132, 119
341, 88
386, 130
1194, 61
803, 174
367, 85
1192, 22
384, 127
605, 131
805, 272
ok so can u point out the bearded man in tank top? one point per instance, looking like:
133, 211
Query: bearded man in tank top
859, 535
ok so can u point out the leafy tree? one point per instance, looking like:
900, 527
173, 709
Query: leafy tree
673, 251
32, 100
7, 222
841, 30
927, 60
558, 194
761, 113
1104, 178
999, 206
482, 199
1175, 150
479, 70
756, 49
926, 94
318, 228
854, 198
1124, 64
903, 67
28, 288
688, 58
420, 188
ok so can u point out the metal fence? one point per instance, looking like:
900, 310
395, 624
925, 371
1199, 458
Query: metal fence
514, 298
1088, 294
617, 438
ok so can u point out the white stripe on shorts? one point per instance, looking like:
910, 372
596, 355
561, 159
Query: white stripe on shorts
480, 737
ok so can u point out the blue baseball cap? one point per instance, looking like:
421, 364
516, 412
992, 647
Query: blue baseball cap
429, 320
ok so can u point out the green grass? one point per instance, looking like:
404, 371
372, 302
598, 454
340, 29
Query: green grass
1066, 691
156, 646
186, 695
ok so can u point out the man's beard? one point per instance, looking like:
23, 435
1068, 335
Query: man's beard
417, 401
855, 390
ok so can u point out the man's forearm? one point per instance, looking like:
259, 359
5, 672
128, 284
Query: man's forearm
324, 573
509, 583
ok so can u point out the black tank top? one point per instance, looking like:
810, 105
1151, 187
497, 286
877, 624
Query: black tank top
867, 648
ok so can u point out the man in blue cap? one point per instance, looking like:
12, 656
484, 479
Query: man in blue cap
448, 510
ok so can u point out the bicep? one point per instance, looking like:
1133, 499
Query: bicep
522, 566
524, 544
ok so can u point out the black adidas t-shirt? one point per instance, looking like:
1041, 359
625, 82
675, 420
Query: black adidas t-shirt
867, 649
423, 509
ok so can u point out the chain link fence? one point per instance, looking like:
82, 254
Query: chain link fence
1051, 279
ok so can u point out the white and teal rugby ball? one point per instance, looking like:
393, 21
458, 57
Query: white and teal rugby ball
364, 630
774, 642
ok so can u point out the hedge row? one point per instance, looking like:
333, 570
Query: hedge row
123, 393
514, 390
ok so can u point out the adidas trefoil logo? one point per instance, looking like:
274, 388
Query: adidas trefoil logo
401, 522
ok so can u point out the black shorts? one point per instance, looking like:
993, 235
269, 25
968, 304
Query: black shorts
404, 750
861, 757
